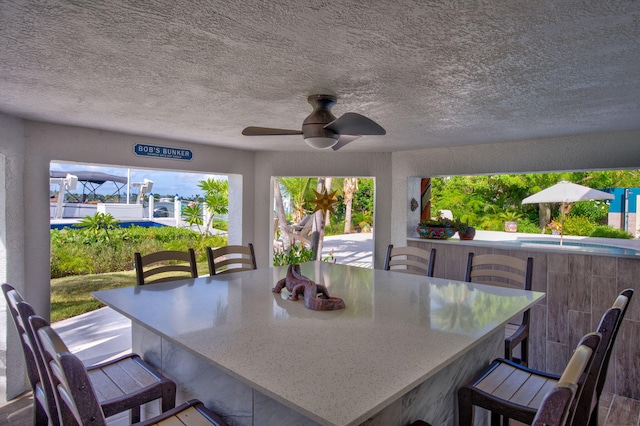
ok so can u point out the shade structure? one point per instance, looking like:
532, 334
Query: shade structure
566, 192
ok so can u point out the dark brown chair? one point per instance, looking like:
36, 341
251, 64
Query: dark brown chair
43, 399
410, 260
232, 258
511, 390
76, 393
124, 383
154, 267
506, 271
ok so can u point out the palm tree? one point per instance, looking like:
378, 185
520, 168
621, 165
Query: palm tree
299, 190
349, 188
282, 221
216, 196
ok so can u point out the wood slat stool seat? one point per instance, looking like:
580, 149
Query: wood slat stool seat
231, 258
410, 260
76, 393
513, 391
122, 384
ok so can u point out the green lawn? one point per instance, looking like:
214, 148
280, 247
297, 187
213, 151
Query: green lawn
71, 296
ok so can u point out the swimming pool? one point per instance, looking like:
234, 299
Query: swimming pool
577, 245
124, 224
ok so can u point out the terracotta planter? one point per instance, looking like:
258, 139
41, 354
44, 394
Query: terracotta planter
468, 234
511, 226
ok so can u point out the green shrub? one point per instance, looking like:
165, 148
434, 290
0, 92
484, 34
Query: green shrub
81, 252
297, 253
595, 210
528, 227
334, 229
605, 231
222, 225
578, 225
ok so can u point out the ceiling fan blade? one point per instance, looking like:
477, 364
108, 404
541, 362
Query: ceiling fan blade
267, 131
351, 123
344, 139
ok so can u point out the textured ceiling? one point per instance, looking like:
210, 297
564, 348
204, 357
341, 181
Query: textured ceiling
431, 73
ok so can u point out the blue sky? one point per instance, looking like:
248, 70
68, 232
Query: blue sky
164, 182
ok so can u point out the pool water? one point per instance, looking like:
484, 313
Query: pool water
587, 247
125, 224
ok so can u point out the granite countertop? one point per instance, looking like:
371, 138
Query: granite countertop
337, 367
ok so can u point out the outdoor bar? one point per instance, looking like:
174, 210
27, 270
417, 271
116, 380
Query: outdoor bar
579, 287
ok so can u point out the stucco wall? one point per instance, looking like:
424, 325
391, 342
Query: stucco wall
28, 147
12, 249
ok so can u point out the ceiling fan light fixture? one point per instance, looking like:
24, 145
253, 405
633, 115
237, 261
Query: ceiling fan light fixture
321, 142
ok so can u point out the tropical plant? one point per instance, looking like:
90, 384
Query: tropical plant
296, 253
216, 196
299, 190
99, 221
192, 214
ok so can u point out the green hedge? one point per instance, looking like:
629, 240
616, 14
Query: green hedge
81, 252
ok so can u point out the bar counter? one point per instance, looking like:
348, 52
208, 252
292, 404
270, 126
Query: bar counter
396, 353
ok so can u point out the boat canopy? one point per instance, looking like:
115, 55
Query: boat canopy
91, 181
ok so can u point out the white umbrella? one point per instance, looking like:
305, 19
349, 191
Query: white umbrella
566, 192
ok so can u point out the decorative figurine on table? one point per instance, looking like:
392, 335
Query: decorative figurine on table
316, 296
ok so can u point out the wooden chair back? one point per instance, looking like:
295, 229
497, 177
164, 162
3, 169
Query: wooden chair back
154, 267
76, 397
74, 393
587, 404
410, 260
231, 258
556, 408
511, 272
44, 402
500, 270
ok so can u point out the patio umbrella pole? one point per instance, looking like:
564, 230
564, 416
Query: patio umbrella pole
562, 224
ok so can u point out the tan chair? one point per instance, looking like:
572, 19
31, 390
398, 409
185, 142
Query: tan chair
118, 392
556, 406
232, 258
595, 383
513, 391
154, 267
410, 260
76, 394
512, 272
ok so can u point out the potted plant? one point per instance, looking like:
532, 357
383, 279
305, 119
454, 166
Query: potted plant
465, 232
510, 217
441, 228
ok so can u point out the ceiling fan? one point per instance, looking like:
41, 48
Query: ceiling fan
321, 129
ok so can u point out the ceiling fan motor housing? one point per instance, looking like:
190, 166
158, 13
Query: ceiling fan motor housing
313, 125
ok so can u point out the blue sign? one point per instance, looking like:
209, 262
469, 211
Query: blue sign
162, 152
